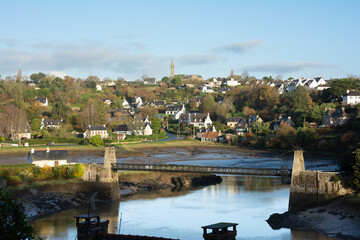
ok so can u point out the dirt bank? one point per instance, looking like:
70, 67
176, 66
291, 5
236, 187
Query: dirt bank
45, 199
338, 219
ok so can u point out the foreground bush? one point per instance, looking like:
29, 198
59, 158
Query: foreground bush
13, 224
28, 173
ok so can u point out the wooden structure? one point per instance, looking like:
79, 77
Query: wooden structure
202, 169
87, 229
220, 231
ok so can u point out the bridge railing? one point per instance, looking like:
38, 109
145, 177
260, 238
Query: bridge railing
202, 169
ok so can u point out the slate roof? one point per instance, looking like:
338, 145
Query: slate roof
122, 128
353, 93
174, 108
339, 112
41, 99
234, 119
97, 128
198, 117
42, 155
52, 122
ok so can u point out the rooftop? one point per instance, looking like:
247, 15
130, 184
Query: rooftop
220, 225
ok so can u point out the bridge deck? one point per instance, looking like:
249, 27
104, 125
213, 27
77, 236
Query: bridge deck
203, 169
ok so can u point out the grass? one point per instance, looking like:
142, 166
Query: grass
25, 165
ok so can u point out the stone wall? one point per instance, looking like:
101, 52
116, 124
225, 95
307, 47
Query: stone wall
103, 174
311, 188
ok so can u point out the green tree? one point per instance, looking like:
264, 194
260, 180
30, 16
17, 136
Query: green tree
300, 100
13, 224
156, 124
339, 87
355, 181
96, 141
176, 81
36, 124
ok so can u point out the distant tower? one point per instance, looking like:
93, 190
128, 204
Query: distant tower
172, 68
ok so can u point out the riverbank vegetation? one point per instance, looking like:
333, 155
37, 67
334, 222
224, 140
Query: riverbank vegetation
29, 173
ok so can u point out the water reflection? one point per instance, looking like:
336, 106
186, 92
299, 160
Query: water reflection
248, 201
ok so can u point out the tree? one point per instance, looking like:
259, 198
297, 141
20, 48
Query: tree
96, 141
12, 121
176, 81
339, 87
18, 76
37, 77
36, 124
248, 111
285, 137
13, 224
152, 112
300, 100
156, 124
355, 181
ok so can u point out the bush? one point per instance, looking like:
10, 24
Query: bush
13, 224
96, 141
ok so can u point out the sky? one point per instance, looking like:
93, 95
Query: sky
132, 39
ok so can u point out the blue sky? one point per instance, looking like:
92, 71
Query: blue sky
134, 38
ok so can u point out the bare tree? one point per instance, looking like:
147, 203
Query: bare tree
18, 76
12, 121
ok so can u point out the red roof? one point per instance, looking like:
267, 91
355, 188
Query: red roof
210, 135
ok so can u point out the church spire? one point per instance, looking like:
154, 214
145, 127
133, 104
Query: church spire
172, 68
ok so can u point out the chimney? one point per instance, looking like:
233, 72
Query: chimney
32, 150
47, 149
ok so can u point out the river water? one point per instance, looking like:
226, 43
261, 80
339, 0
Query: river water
245, 200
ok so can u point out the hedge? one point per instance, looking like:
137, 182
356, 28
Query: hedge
55, 140
25, 173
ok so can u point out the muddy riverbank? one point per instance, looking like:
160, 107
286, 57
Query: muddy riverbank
338, 219
48, 198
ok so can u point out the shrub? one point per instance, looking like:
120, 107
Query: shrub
13, 224
79, 170
96, 141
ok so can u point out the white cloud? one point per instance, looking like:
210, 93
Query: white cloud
239, 47
288, 67
80, 57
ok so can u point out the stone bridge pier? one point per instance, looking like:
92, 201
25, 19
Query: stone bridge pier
311, 188
101, 176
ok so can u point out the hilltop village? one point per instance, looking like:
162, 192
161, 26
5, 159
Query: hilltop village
315, 114
265, 112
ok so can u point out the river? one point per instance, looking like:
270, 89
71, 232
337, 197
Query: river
245, 200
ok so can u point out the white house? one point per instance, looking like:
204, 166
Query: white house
43, 101
232, 82
176, 111
138, 102
50, 123
50, 158
98, 87
206, 89
196, 119
125, 104
148, 130
96, 130
107, 101
351, 97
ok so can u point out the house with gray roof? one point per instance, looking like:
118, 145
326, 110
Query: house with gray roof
47, 157
96, 130
335, 117
50, 123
